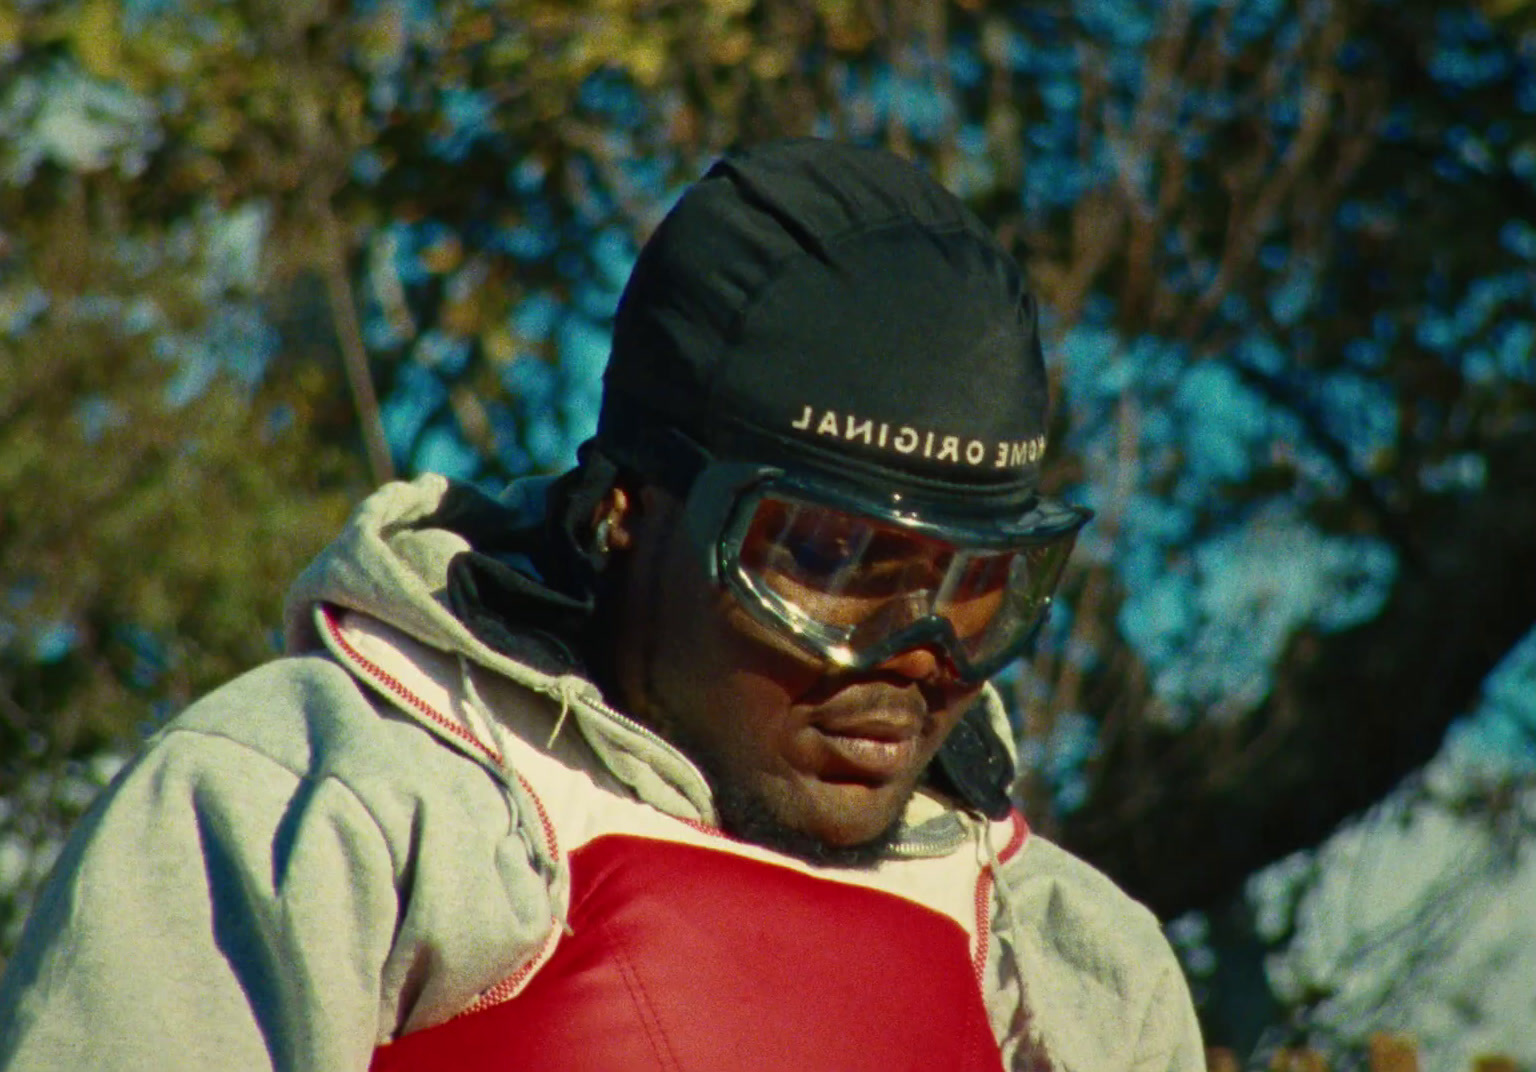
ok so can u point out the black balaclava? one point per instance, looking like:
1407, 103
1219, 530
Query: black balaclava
833, 308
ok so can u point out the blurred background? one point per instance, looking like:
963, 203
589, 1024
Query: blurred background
258, 255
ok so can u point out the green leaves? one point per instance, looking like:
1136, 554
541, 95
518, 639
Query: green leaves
227, 228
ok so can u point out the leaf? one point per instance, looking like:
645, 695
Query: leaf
443, 256
98, 40
646, 57
10, 34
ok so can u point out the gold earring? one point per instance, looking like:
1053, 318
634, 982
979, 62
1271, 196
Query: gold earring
602, 535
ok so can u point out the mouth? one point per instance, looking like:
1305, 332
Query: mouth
869, 749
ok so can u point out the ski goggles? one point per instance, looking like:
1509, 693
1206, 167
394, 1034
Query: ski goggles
857, 579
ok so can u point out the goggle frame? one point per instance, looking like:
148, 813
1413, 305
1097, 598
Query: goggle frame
723, 501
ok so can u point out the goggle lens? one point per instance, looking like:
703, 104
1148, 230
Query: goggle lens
853, 582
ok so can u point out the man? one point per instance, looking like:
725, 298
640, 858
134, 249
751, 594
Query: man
684, 760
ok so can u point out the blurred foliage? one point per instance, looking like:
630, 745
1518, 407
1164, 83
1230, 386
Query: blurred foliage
1382, 1053
255, 256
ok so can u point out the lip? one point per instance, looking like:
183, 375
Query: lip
872, 760
870, 745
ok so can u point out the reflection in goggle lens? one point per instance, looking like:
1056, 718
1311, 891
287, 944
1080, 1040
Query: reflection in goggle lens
855, 573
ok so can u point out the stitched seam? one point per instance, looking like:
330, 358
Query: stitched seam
544, 820
715, 831
513, 984
380, 676
983, 925
983, 947
642, 1000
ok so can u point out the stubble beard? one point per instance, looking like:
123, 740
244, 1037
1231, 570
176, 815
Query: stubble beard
749, 816
742, 813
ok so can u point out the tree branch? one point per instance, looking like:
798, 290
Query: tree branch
349, 337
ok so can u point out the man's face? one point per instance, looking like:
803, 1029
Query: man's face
802, 755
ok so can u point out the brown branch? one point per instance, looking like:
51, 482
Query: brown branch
349, 337
1249, 227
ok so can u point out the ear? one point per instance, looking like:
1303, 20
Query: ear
614, 515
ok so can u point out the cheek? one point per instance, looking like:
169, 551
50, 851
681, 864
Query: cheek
745, 688
949, 710
709, 674
745, 665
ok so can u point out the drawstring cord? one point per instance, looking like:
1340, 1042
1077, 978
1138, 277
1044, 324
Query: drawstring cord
1007, 924
478, 711
564, 688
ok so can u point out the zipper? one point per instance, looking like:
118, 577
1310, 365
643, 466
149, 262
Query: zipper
592, 698
939, 836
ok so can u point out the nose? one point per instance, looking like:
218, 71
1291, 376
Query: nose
918, 664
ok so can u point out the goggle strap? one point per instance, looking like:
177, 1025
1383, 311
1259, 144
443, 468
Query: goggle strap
710, 504
652, 447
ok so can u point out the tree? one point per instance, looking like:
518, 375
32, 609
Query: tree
255, 253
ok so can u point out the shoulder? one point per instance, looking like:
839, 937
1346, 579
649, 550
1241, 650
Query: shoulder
1065, 890
1104, 987
311, 717
1075, 915
303, 729
298, 752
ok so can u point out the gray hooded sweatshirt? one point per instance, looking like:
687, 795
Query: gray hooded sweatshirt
338, 848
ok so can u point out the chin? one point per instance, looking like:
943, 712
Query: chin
837, 824
830, 839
